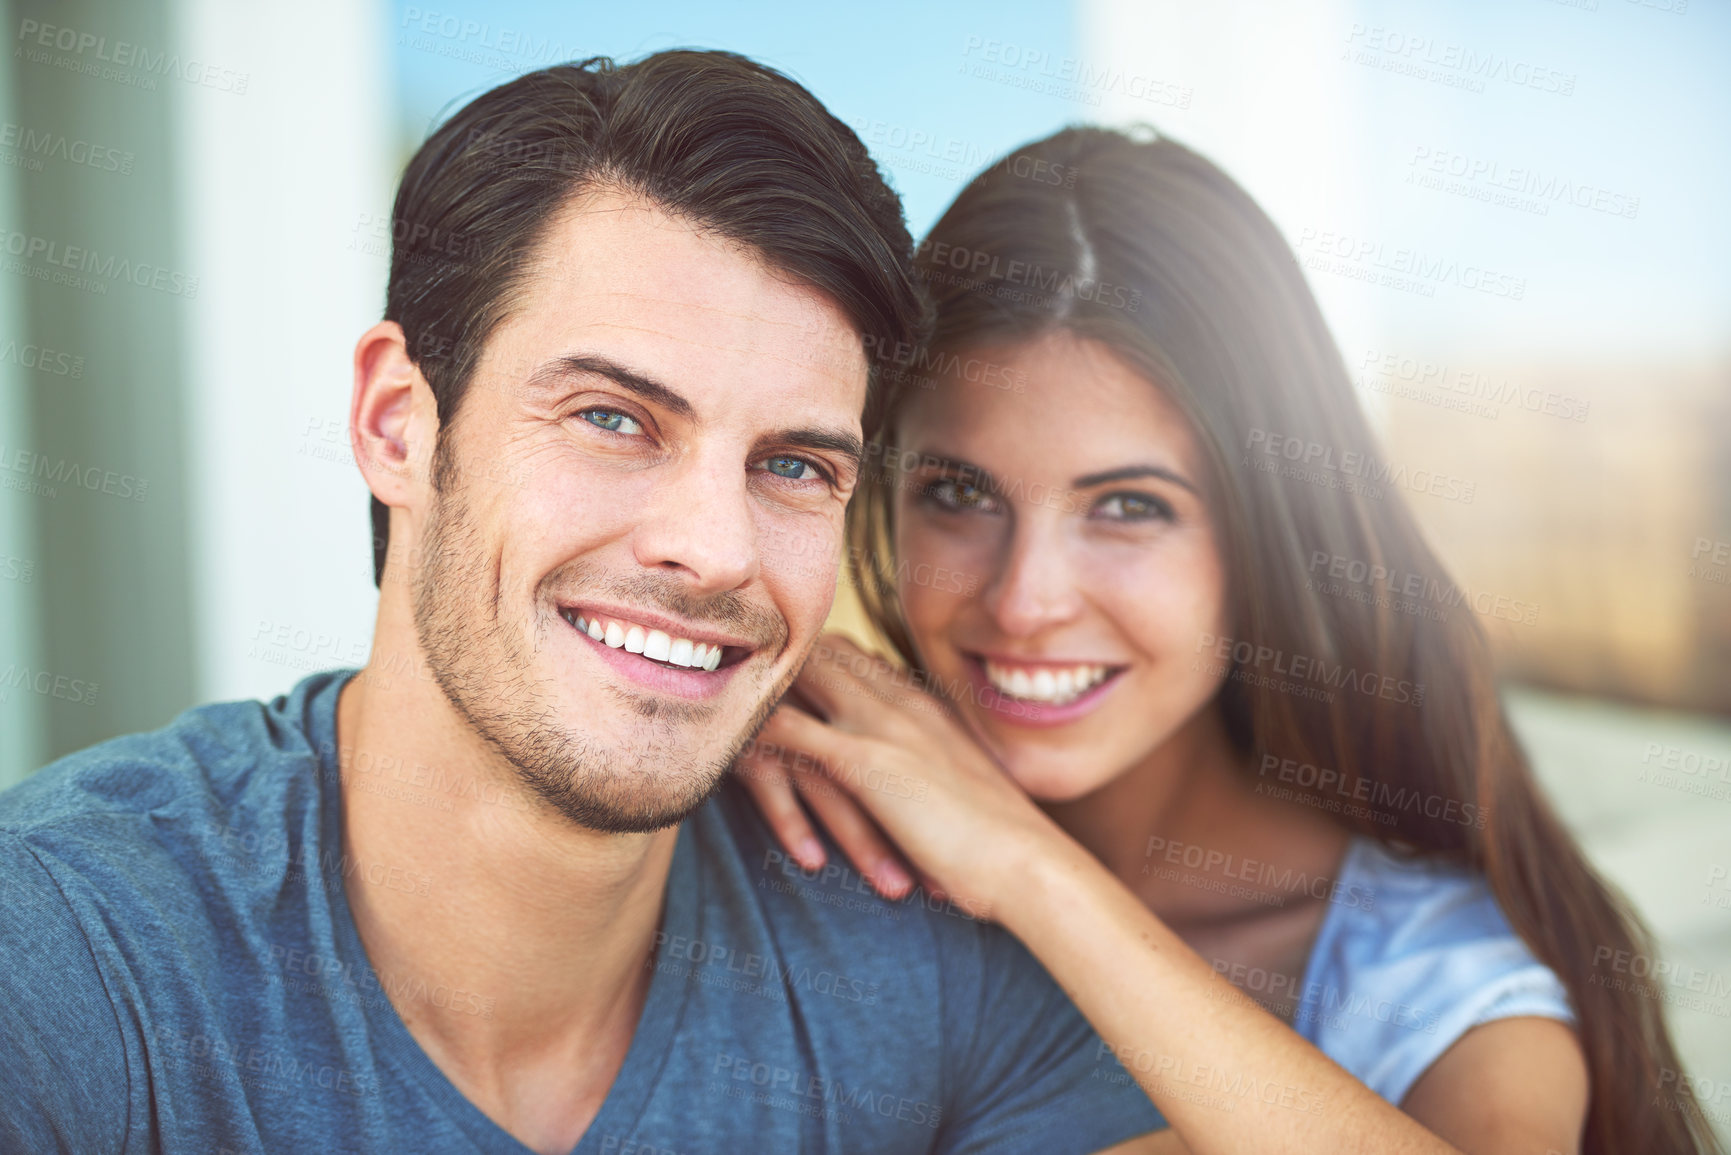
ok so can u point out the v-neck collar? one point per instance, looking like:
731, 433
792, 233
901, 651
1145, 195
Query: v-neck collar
392, 1041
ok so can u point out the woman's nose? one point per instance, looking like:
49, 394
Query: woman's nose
1034, 586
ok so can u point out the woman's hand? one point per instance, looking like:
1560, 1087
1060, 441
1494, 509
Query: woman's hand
777, 780
889, 758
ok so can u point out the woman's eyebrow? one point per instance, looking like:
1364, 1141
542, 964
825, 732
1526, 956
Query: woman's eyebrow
972, 474
1128, 472
981, 476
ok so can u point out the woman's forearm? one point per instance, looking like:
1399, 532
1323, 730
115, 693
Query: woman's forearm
1226, 1074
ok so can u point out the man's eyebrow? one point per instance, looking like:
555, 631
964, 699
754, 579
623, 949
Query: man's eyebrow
1128, 472
846, 444
644, 386
649, 389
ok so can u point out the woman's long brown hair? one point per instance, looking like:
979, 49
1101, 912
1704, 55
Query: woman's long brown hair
1150, 249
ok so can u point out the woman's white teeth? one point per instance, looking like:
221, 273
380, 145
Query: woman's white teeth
1044, 685
654, 644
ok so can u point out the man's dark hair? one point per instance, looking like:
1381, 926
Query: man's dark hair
734, 147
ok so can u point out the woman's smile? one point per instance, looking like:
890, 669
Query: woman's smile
1040, 693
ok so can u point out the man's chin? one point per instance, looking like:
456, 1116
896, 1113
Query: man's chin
639, 803
672, 762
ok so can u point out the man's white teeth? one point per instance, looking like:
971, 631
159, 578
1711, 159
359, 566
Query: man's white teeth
653, 644
1044, 685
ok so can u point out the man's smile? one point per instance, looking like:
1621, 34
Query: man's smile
686, 660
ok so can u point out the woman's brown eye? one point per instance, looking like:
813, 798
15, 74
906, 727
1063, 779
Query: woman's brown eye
1133, 507
949, 494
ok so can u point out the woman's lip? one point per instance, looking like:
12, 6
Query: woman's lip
1022, 711
1039, 663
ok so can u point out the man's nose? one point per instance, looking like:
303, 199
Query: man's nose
699, 522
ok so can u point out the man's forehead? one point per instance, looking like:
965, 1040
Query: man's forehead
633, 273
717, 369
810, 338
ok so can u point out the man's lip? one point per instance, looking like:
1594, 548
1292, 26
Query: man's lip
650, 620
682, 682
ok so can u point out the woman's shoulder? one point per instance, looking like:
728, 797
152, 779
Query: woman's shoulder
1410, 905
1422, 957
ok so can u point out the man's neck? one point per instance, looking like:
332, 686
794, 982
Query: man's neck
513, 943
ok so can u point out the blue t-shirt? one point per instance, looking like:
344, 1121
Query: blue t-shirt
179, 971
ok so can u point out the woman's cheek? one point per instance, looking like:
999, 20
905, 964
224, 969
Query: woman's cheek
1168, 594
936, 571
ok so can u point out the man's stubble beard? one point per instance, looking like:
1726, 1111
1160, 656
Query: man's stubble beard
484, 672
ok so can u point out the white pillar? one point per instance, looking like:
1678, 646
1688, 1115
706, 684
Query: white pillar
281, 185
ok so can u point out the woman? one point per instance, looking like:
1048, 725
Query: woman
1215, 722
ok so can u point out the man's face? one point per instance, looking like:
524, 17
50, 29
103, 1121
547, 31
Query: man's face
656, 448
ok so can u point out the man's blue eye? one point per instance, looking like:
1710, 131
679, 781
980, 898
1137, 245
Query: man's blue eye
791, 468
611, 420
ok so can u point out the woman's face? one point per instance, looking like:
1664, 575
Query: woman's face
1059, 568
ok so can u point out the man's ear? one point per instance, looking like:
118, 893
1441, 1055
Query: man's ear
393, 421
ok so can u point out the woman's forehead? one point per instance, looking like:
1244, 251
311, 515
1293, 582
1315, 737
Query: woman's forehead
1057, 397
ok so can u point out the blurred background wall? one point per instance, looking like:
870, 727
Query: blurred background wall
1512, 211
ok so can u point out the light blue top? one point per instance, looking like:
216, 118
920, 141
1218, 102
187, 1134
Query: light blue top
1425, 956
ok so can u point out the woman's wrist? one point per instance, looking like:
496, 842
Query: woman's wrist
1047, 874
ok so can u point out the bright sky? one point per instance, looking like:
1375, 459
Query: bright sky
1621, 105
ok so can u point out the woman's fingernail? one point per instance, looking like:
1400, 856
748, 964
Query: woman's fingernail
892, 878
810, 853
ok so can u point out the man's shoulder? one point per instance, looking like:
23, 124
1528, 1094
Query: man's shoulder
740, 855
145, 800
921, 962
813, 993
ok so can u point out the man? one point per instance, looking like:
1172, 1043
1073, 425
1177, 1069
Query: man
473, 898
